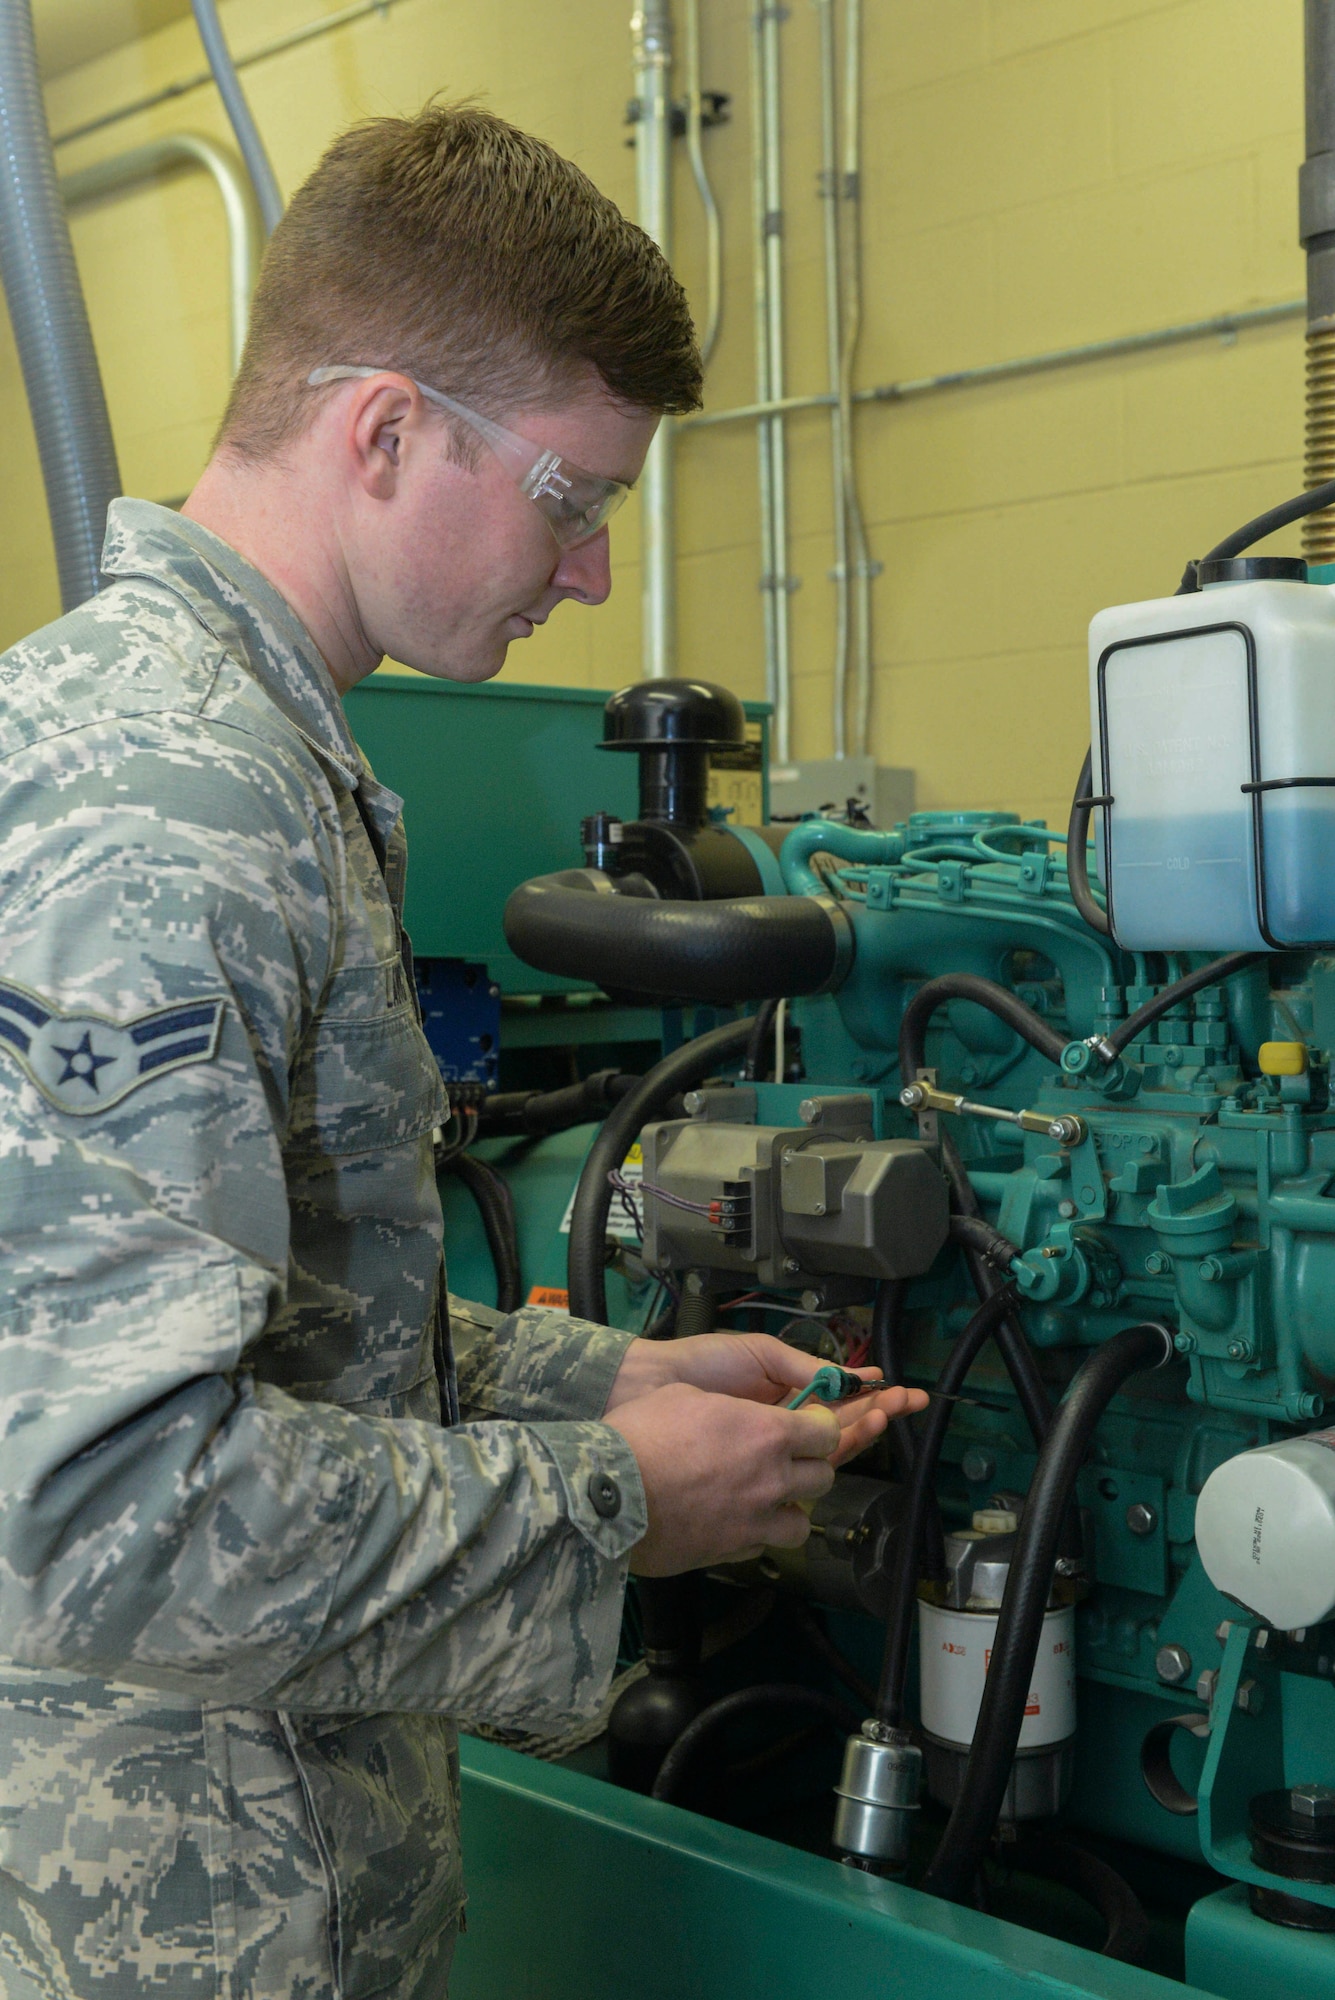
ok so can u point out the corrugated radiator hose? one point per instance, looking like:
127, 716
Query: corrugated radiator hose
50, 320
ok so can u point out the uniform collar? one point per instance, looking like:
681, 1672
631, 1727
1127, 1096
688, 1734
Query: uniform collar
246, 614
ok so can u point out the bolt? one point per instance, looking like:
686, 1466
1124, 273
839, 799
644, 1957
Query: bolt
911, 1096
812, 1302
1239, 1350
1172, 1056
1066, 1209
693, 1103
1312, 1801
1172, 1664
791, 1267
818, 1208
1051, 1250
789, 1157
1251, 1697
1310, 1406
1140, 1519
1087, 1194
978, 1466
1156, 1264
1206, 1684
1185, 1343
1222, 1630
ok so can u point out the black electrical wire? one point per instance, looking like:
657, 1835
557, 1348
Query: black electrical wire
1213, 974
682, 1070
887, 1315
769, 1695
757, 1048
809, 1624
1016, 1353
1019, 1627
904, 1585
495, 1205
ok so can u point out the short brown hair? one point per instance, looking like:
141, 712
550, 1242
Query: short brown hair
461, 250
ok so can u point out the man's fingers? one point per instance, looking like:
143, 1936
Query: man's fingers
858, 1435
788, 1528
809, 1478
815, 1431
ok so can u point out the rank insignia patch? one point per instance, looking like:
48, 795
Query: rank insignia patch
83, 1063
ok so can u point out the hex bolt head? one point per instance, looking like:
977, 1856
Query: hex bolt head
978, 1466
1222, 1630
1312, 1801
791, 1267
1206, 1685
1066, 1209
1140, 1519
1172, 1664
1185, 1343
1251, 1697
1156, 1264
1239, 1350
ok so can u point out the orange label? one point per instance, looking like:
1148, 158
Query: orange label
549, 1295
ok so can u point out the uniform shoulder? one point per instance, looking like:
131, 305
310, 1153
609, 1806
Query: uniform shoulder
135, 650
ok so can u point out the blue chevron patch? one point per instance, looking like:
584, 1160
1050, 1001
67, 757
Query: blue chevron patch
85, 1063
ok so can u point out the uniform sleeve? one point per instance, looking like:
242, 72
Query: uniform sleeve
165, 1518
534, 1363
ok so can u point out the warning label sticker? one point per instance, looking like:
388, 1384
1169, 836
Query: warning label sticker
623, 1222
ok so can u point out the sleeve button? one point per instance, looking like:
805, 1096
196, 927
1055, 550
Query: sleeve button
605, 1494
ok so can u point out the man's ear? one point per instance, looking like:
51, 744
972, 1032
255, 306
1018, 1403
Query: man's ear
380, 418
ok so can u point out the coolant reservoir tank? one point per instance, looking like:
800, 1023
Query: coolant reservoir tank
1265, 1528
1213, 719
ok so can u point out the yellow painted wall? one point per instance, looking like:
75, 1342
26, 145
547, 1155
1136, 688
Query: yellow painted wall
1038, 173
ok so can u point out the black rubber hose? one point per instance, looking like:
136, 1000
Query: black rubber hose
757, 1049
682, 1070
998, 1000
982, 1238
495, 1205
1213, 974
736, 949
904, 1588
886, 1353
1091, 1878
536, 1112
769, 1695
1019, 1627
1077, 851
1256, 530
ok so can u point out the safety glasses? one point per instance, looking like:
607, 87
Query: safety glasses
575, 504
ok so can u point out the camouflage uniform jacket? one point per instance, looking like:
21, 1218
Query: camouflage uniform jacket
245, 1573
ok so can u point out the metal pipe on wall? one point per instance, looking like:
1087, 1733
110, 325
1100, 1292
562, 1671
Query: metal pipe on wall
828, 185
50, 320
651, 50
1223, 326
864, 570
775, 581
1316, 230
695, 118
188, 149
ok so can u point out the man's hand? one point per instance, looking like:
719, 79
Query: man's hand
760, 1369
724, 1477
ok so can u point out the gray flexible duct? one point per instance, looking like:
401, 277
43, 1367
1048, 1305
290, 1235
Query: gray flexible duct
50, 320
238, 110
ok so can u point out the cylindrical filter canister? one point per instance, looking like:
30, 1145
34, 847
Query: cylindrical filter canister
957, 1630
1265, 1528
954, 1653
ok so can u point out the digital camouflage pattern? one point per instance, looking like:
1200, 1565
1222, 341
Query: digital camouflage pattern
245, 1573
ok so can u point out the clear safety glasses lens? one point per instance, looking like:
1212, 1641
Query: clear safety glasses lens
576, 505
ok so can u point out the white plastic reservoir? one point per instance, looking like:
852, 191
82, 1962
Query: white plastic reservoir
1213, 719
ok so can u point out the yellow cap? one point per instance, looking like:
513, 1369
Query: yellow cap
1282, 1058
